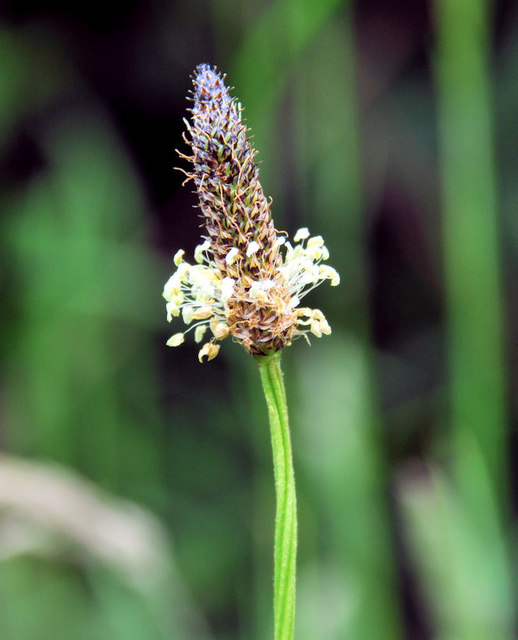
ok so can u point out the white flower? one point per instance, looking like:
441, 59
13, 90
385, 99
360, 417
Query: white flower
227, 289
200, 332
173, 308
206, 298
301, 234
302, 269
200, 250
231, 256
328, 273
176, 340
260, 288
219, 329
172, 287
252, 248
178, 257
188, 314
316, 241
210, 350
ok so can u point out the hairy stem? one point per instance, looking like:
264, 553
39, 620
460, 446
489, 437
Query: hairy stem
285, 549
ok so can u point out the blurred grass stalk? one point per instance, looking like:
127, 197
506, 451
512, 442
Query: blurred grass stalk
458, 527
354, 593
471, 243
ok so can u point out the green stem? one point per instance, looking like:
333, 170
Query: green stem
285, 549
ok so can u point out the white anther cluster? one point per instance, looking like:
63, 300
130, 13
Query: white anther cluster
302, 267
200, 293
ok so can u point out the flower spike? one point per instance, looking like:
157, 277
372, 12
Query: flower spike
248, 280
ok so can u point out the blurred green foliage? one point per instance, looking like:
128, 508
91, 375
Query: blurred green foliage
402, 462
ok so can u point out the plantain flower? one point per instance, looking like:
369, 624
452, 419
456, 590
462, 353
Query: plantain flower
247, 280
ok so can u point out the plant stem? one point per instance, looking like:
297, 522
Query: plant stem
285, 548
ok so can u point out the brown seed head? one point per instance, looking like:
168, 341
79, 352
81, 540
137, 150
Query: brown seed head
236, 213
233, 205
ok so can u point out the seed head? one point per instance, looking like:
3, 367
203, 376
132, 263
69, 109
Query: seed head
235, 211
249, 281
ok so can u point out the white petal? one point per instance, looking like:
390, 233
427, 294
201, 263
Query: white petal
309, 275
231, 256
178, 257
176, 340
203, 312
173, 309
220, 329
325, 328
314, 253
183, 271
227, 289
256, 292
301, 234
188, 314
259, 288
200, 249
316, 241
316, 329
199, 332
328, 273
210, 350
294, 302
171, 287
252, 248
